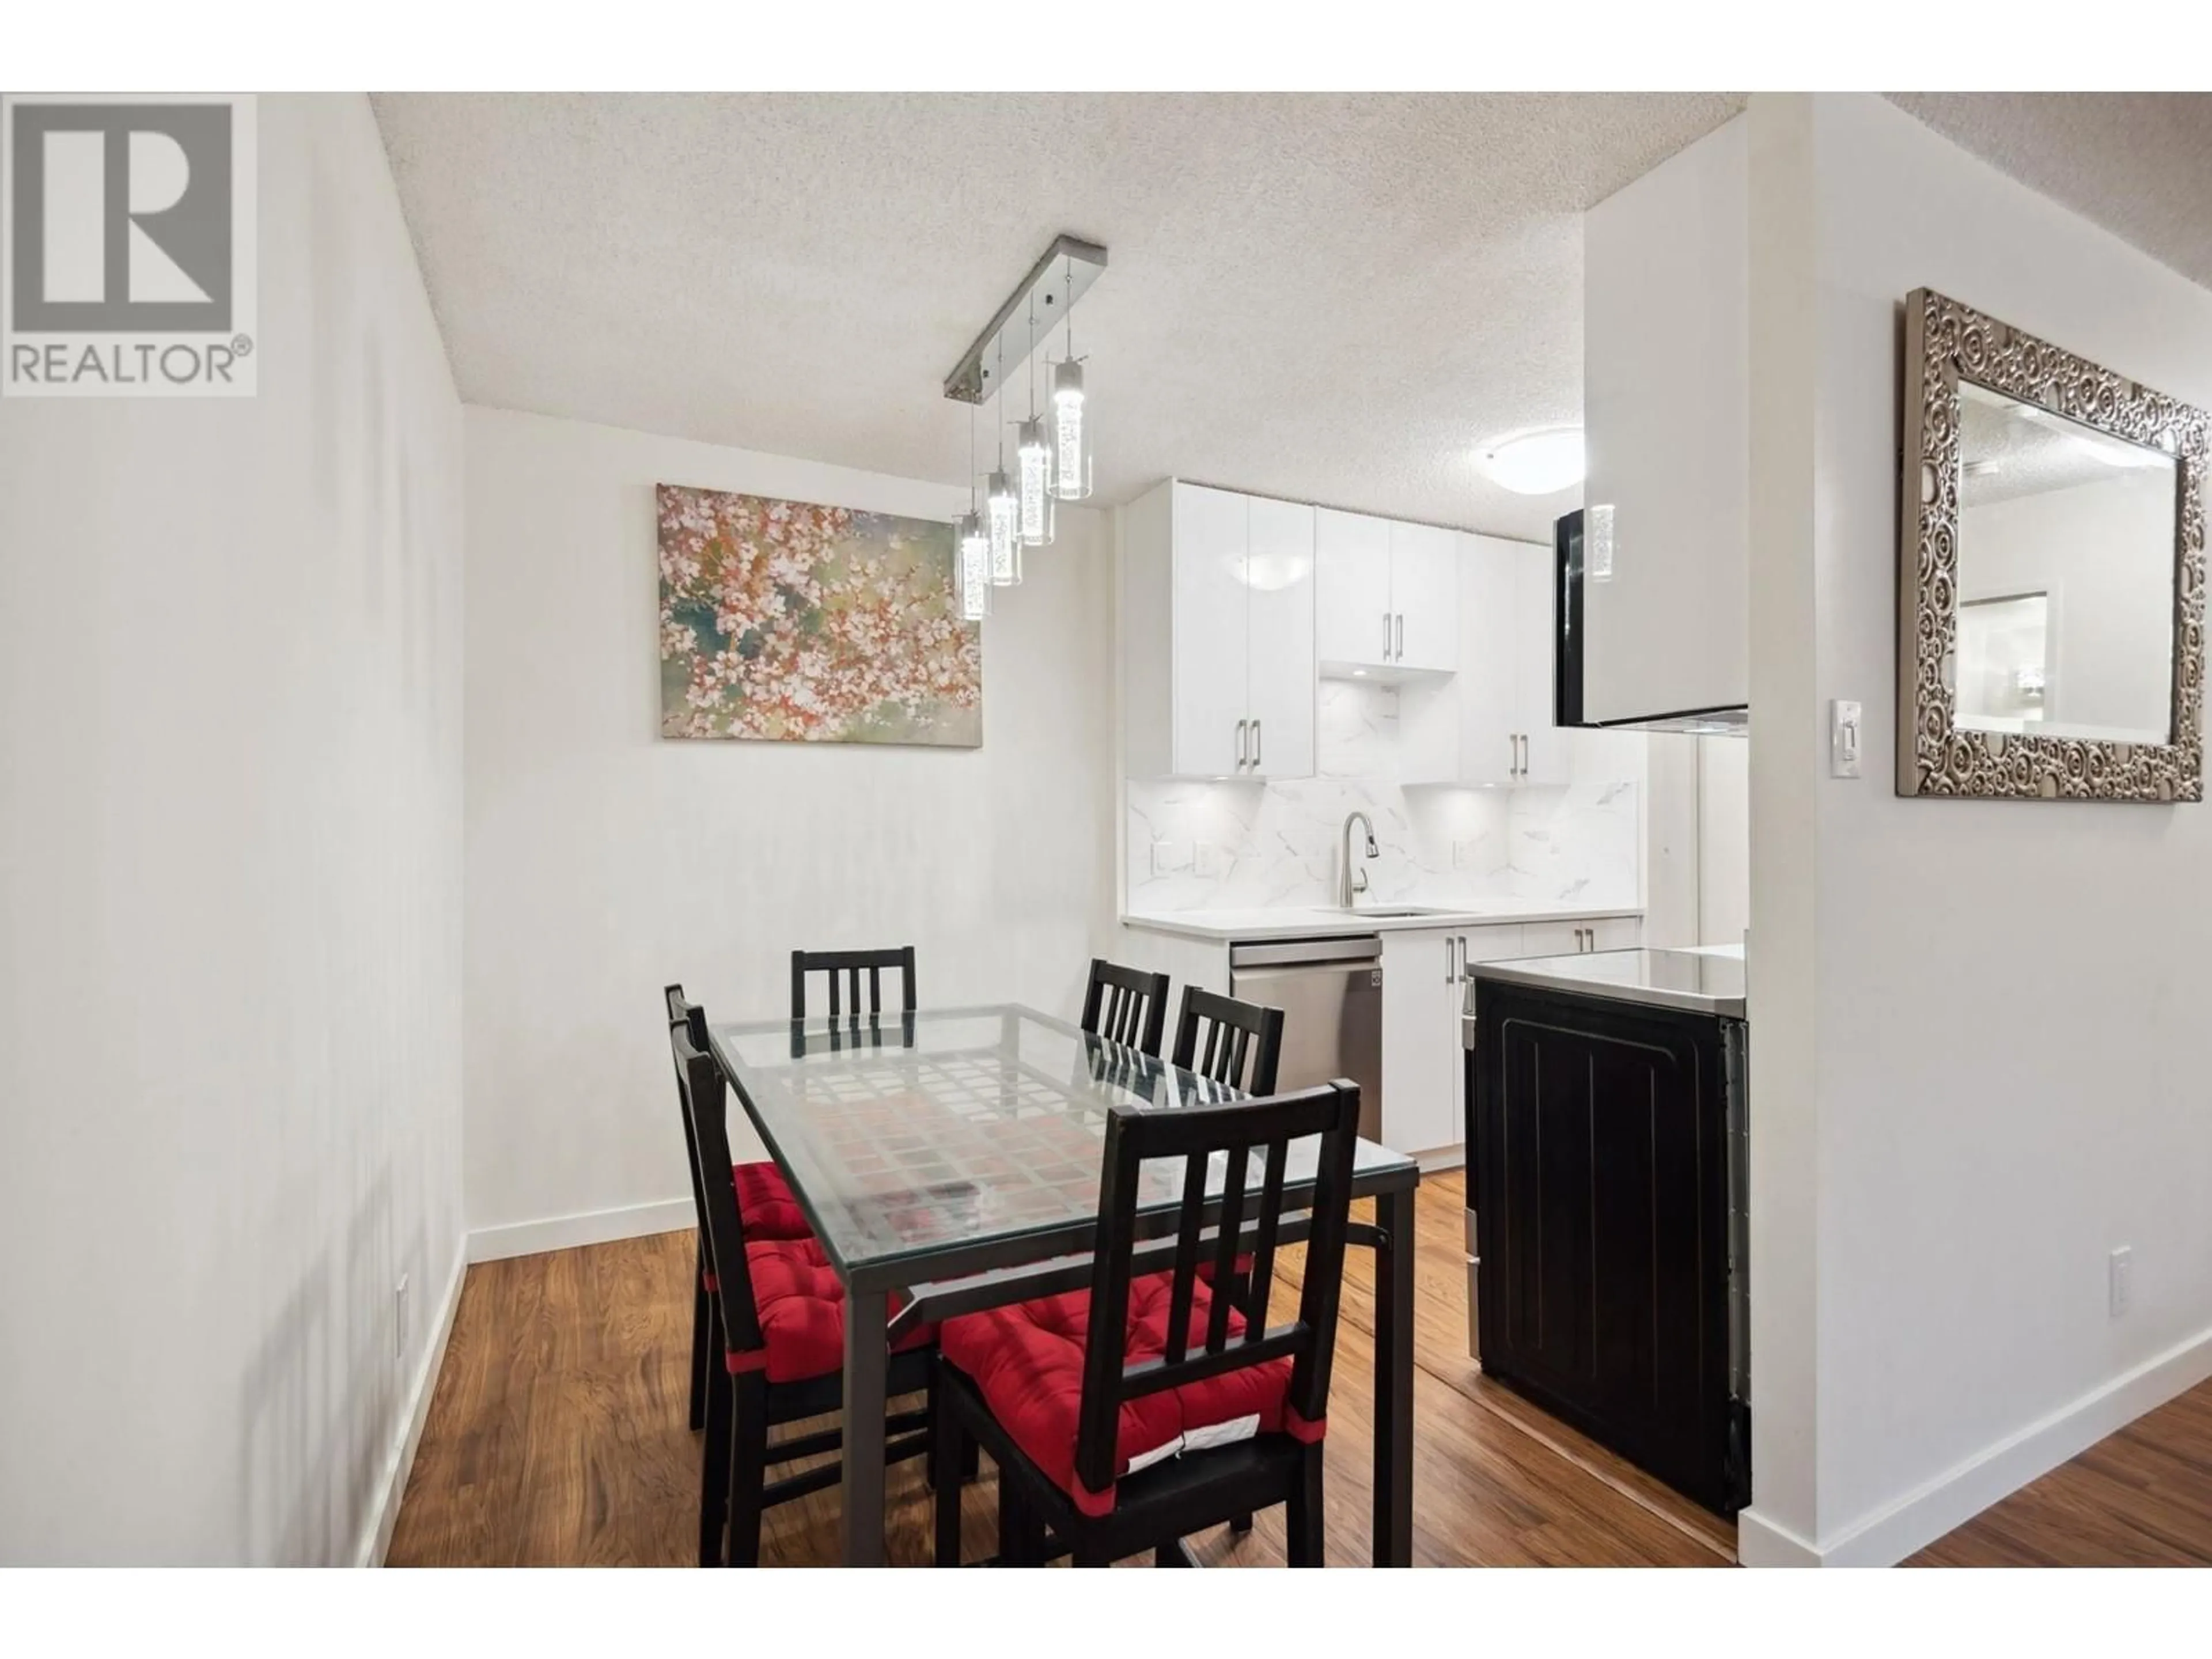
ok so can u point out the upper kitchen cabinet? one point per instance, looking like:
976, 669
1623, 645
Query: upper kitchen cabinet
1388, 595
1667, 423
1492, 722
1217, 632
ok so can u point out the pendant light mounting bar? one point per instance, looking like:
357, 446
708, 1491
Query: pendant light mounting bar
1056, 282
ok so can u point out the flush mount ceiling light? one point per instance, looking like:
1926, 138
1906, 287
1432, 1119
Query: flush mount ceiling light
1051, 462
1536, 463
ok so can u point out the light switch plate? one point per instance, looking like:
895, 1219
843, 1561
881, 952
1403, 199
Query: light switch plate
1846, 737
1205, 858
1170, 856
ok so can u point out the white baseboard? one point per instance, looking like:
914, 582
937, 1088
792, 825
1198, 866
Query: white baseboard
401, 1463
1442, 1159
563, 1232
1761, 1543
1956, 1497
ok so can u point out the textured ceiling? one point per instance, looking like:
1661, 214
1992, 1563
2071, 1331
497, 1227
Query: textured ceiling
1334, 297
1328, 297
2138, 163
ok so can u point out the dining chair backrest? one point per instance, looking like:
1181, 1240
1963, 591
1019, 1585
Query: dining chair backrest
1126, 1004
844, 968
705, 1099
681, 1013
1241, 1132
1243, 1042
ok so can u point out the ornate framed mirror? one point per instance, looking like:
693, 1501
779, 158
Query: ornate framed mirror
2051, 572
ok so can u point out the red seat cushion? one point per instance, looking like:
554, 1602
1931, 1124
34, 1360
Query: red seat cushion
1026, 1361
801, 1304
765, 1204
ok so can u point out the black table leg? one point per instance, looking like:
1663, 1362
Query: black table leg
1394, 1380
866, 1362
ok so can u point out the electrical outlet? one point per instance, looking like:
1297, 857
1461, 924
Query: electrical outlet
1163, 859
2122, 1279
1205, 858
399, 1319
1462, 851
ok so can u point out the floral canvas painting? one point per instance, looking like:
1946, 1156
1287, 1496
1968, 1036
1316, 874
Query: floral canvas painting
794, 622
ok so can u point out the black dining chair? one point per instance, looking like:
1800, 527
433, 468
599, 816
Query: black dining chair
1195, 1416
776, 1324
1126, 1004
1243, 1048
765, 1201
1243, 1042
844, 968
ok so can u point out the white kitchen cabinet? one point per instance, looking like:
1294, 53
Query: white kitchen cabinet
1616, 932
1353, 623
1388, 595
1544, 757
1421, 1052
1279, 687
1217, 632
1424, 1069
1567, 939
1490, 724
1425, 596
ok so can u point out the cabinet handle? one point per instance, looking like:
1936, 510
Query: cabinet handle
1448, 959
1256, 760
1401, 636
1386, 637
1240, 744
1463, 959
1520, 755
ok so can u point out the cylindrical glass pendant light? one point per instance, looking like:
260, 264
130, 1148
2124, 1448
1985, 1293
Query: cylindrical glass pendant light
1036, 456
973, 543
1004, 512
1071, 469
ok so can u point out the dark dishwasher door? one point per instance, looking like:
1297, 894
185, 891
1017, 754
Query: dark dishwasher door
1601, 1172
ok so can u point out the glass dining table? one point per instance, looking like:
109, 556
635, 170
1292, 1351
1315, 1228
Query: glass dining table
949, 1160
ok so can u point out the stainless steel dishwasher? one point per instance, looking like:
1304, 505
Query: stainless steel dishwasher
1330, 991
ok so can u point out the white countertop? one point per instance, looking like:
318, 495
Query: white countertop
1283, 922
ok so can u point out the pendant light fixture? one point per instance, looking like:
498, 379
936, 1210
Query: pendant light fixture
1005, 531
1052, 452
972, 547
1034, 457
1004, 513
1071, 465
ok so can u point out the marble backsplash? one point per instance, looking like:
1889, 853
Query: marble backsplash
1197, 846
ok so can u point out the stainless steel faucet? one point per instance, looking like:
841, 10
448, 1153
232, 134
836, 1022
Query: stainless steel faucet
1350, 883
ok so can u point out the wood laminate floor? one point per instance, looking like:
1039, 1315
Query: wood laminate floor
557, 1436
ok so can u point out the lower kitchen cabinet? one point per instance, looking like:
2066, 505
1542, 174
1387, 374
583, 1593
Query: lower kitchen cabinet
1420, 1043
1567, 939
1423, 990
1600, 1177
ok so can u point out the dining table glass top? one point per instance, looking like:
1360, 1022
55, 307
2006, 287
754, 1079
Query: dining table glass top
914, 1135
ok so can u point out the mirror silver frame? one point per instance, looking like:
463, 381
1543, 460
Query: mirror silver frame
1944, 343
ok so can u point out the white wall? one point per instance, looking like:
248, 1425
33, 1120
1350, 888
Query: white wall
1723, 840
230, 868
1698, 868
1978, 1062
605, 861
